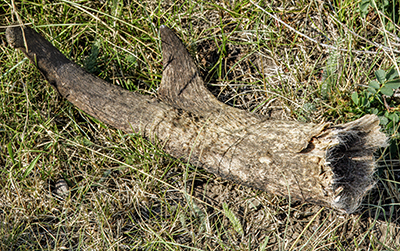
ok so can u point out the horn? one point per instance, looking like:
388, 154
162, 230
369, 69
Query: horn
330, 165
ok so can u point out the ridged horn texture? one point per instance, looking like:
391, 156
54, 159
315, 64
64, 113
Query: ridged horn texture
324, 164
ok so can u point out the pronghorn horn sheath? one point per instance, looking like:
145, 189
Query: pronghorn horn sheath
323, 164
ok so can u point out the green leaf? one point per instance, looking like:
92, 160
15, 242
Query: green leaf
383, 120
264, 244
394, 84
381, 76
354, 97
10, 152
386, 114
387, 91
374, 111
371, 90
392, 74
31, 166
364, 4
389, 126
374, 84
394, 117
362, 101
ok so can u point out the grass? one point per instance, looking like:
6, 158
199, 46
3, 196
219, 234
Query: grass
126, 193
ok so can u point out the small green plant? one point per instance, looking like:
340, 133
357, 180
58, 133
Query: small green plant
233, 219
378, 98
330, 76
90, 62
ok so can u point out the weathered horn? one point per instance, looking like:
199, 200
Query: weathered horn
323, 164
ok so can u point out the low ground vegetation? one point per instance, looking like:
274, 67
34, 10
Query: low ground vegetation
70, 182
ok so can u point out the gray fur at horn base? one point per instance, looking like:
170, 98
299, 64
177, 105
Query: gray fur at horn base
351, 159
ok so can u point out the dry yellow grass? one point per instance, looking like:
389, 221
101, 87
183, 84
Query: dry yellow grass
126, 194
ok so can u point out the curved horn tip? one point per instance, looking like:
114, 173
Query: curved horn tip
13, 36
